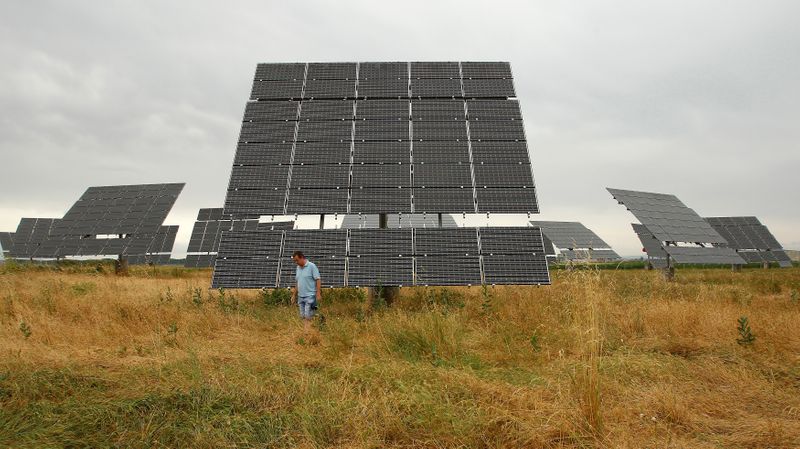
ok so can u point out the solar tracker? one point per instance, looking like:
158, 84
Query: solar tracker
575, 241
364, 257
381, 137
752, 240
666, 217
670, 221
125, 209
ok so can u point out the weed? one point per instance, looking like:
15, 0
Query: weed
535, 342
82, 288
276, 296
166, 297
227, 303
794, 296
746, 335
197, 296
25, 328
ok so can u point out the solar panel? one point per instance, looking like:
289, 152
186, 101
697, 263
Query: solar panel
576, 241
331, 114
751, 239
398, 221
666, 217
30, 235
375, 257
327, 249
6, 241
652, 246
703, 255
207, 232
126, 209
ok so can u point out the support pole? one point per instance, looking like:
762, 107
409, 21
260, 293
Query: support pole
121, 265
440, 220
322, 221
669, 271
765, 265
736, 268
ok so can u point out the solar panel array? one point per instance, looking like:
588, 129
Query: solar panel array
374, 257
110, 220
207, 233
666, 217
575, 241
381, 137
398, 221
669, 221
125, 209
751, 239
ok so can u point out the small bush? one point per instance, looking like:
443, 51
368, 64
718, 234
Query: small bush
746, 335
276, 297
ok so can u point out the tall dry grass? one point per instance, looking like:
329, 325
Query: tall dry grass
598, 359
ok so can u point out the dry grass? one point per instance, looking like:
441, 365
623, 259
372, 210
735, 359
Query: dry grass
598, 359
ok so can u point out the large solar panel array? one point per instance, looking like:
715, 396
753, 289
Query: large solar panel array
381, 137
207, 232
110, 220
751, 239
374, 257
575, 241
670, 222
398, 221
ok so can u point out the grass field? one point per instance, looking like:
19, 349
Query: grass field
611, 358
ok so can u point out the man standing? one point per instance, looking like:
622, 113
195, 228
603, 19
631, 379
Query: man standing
308, 290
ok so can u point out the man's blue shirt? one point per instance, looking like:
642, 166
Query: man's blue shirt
306, 277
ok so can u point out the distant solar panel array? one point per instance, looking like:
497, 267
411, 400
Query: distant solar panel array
377, 137
111, 220
575, 241
374, 257
751, 239
670, 222
205, 239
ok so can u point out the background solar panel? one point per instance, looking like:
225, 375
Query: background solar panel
6, 240
666, 217
706, 255
570, 234
126, 209
751, 239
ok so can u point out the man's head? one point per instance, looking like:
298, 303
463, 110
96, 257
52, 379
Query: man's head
299, 258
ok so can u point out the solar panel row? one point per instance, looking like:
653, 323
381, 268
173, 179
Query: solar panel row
374, 257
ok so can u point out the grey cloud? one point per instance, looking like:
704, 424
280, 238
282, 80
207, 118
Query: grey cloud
698, 99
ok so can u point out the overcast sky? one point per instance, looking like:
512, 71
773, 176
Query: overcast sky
695, 98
